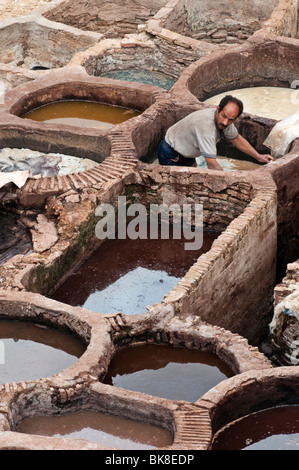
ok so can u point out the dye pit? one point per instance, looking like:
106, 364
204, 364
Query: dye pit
258, 209
148, 77
81, 114
271, 429
34, 351
166, 372
109, 430
269, 102
128, 275
230, 164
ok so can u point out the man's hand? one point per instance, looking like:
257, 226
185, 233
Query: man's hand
212, 164
264, 158
243, 145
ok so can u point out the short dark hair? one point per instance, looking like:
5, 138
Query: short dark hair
231, 99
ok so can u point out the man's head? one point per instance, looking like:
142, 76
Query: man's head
228, 110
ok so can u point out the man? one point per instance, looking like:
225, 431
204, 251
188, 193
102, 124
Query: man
198, 133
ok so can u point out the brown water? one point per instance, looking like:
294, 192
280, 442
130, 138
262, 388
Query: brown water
271, 429
128, 275
166, 371
32, 351
108, 430
82, 114
231, 164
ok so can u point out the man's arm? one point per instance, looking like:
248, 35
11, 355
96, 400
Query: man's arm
212, 164
243, 145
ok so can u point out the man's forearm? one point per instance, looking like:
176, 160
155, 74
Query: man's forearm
243, 145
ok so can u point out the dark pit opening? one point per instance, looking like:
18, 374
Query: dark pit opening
14, 235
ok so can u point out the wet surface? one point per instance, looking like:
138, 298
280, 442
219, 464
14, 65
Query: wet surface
81, 113
269, 102
30, 351
147, 77
166, 371
108, 430
127, 275
230, 164
272, 429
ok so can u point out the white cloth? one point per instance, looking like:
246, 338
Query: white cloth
19, 178
282, 135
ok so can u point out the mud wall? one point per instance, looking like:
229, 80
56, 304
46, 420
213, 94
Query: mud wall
110, 18
221, 21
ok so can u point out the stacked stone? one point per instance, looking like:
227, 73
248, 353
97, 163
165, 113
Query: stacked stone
218, 36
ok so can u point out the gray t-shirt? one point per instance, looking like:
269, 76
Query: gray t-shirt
197, 134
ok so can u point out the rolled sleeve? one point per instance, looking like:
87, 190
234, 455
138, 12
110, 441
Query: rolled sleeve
231, 132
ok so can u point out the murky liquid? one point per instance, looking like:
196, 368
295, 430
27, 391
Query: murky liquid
272, 429
82, 114
166, 371
147, 77
269, 102
128, 275
108, 430
230, 164
29, 351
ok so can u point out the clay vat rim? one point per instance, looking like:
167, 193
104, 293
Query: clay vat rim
252, 46
58, 81
67, 399
47, 313
200, 336
259, 385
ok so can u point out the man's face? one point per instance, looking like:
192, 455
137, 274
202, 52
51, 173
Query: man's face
227, 115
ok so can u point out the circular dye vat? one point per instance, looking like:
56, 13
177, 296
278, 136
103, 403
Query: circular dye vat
105, 429
230, 164
128, 275
30, 351
271, 429
166, 371
81, 114
269, 102
147, 77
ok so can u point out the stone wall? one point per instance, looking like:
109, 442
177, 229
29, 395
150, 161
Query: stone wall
36, 41
228, 22
243, 257
110, 18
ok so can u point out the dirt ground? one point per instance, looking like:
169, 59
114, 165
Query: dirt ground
14, 8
